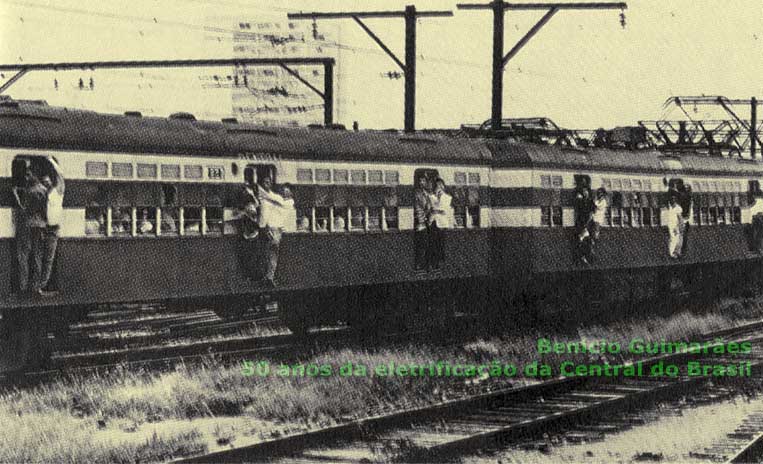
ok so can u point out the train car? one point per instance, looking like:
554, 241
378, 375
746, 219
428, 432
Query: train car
149, 205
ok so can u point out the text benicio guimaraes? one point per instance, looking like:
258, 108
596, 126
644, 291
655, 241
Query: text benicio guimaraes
641, 346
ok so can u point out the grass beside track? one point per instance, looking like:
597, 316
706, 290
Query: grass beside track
133, 415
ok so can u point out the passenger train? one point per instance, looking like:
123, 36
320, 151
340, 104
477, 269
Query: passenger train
509, 255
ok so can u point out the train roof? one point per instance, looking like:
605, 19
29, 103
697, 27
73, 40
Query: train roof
34, 124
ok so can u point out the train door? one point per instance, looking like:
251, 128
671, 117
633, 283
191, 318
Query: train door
37, 166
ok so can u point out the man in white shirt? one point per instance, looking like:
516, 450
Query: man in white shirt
675, 228
54, 214
440, 217
272, 214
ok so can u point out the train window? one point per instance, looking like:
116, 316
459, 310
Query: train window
192, 220
192, 171
146, 217
646, 217
214, 217
736, 216
250, 175
358, 218
95, 221
341, 176
323, 176
697, 186
322, 218
474, 179
459, 216
304, 219
169, 221
656, 221
636, 217
121, 221
713, 215
358, 176
340, 219
375, 177
647, 185
374, 218
556, 216
305, 176
121, 169
696, 217
627, 217
391, 177
617, 217
234, 169
391, 220
170, 171
637, 185
608, 217
474, 216
715, 186
545, 216
96, 169
705, 186
704, 216
721, 216
607, 184
545, 181
626, 184
617, 184
146, 171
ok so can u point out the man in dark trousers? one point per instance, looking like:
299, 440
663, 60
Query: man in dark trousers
31, 226
422, 208
584, 206
684, 201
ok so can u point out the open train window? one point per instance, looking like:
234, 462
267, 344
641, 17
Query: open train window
254, 173
146, 217
214, 220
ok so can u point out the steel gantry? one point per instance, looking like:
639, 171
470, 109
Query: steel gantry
499, 8
409, 66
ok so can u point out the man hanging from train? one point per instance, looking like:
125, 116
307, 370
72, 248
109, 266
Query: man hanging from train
600, 205
247, 223
675, 227
684, 201
422, 208
440, 218
31, 200
273, 210
583, 215
54, 186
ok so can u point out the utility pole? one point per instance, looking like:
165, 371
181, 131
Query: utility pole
499, 8
409, 67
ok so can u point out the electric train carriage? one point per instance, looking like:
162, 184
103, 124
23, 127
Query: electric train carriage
351, 257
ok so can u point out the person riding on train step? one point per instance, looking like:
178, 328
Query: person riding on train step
31, 200
440, 218
273, 212
675, 227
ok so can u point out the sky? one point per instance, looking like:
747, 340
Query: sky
582, 70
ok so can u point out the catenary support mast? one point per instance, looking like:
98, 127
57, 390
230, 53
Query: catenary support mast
499, 8
411, 15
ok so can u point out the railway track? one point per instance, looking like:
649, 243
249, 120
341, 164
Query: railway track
488, 421
153, 338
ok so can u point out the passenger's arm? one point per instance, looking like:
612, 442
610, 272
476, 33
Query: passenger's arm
59, 176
